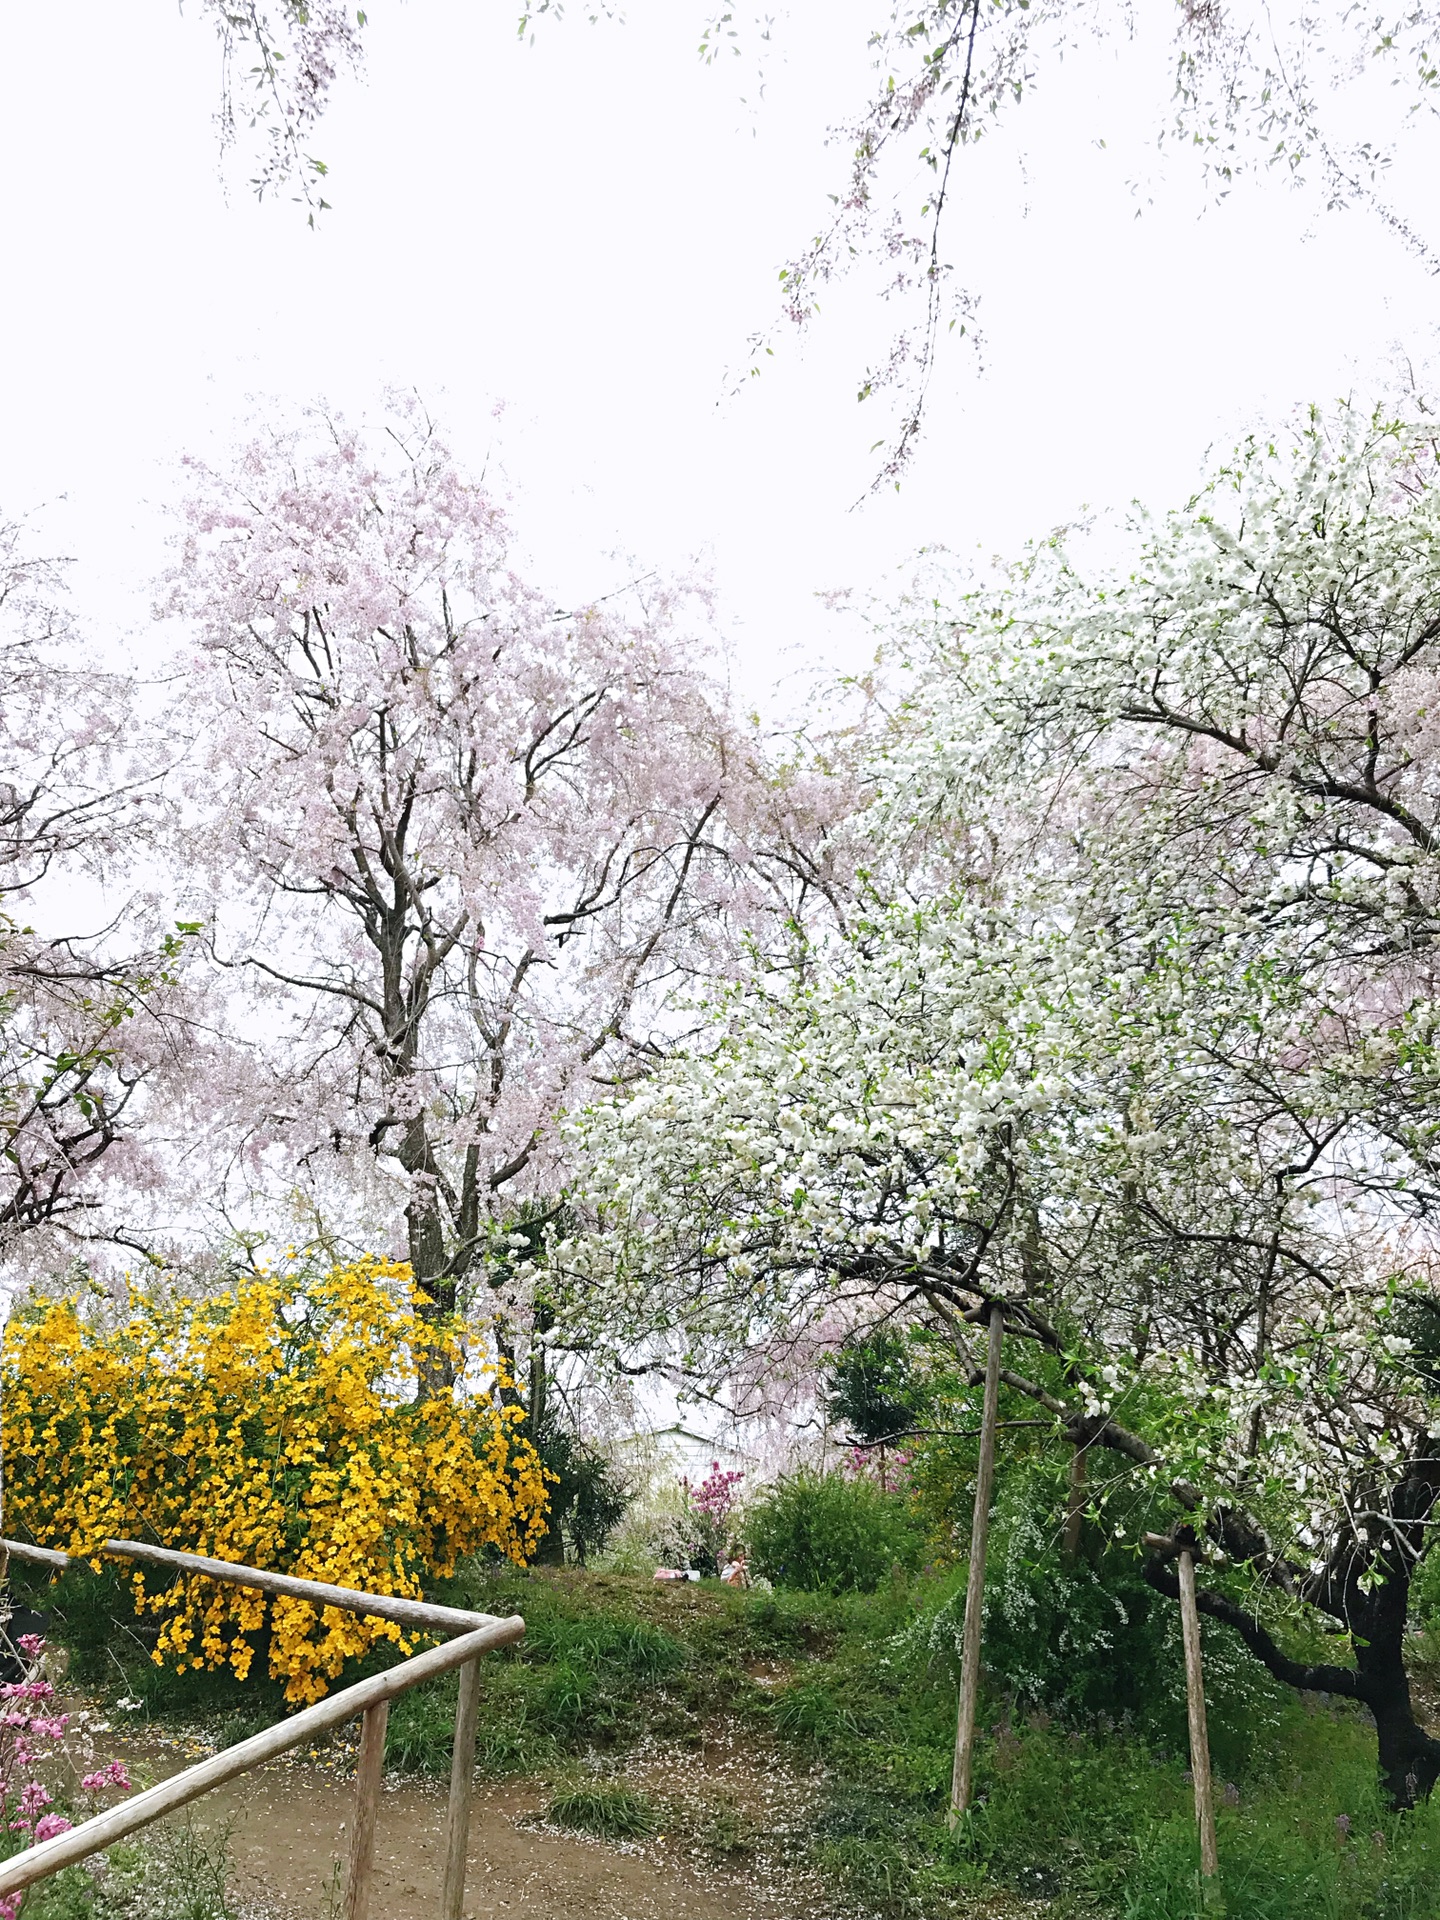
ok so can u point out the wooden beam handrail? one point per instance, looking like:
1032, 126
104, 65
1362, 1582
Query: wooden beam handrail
141, 1809
419, 1614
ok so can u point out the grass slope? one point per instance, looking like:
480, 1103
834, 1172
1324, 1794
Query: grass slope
1086, 1817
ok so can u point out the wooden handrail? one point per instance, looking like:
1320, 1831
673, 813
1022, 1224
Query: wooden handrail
128, 1816
381, 1606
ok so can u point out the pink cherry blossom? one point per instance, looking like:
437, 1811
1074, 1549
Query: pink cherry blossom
465, 854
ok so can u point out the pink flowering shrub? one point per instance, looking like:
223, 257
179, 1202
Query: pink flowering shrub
888, 1467
33, 1752
709, 1509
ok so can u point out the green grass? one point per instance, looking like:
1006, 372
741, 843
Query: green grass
606, 1808
179, 1871
1088, 1815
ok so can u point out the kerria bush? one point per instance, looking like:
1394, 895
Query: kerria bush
277, 1425
830, 1533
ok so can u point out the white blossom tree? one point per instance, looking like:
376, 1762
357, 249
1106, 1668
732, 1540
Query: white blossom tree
1163, 1082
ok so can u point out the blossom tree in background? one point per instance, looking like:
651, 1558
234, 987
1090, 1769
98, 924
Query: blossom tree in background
470, 849
88, 1006
1245, 88
279, 61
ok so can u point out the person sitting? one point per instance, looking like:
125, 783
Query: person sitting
734, 1572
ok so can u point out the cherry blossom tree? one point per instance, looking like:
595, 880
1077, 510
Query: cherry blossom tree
1247, 91
83, 1008
468, 848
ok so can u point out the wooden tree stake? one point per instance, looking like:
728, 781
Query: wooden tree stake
960, 1780
462, 1774
1075, 1505
1195, 1700
368, 1776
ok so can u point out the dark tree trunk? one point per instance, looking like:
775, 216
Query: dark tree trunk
429, 1263
551, 1550
424, 1226
539, 1384
1409, 1758
425, 1232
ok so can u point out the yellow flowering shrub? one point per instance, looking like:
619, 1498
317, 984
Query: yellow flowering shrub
276, 1425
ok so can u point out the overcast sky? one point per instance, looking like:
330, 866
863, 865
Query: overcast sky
584, 232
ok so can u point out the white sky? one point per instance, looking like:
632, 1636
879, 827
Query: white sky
588, 230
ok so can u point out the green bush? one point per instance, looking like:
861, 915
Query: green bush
588, 1497
1090, 1641
826, 1533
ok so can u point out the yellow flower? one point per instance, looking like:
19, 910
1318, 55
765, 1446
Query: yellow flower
276, 1425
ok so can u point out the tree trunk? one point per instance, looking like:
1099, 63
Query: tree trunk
426, 1235
424, 1224
539, 1386
425, 1232
1409, 1758
429, 1262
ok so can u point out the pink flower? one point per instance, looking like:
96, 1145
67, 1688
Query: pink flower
49, 1825
112, 1776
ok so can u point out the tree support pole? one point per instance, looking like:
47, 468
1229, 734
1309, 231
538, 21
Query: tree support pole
963, 1774
1195, 1701
1075, 1502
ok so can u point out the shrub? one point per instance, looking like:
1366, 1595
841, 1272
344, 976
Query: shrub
676, 1524
824, 1533
276, 1425
1091, 1640
711, 1510
588, 1496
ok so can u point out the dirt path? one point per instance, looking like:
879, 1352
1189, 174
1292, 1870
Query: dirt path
289, 1827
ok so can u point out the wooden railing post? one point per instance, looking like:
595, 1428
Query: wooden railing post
964, 1768
1195, 1702
462, 1774
368, 1776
